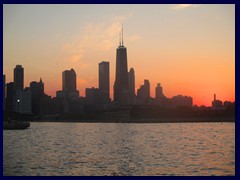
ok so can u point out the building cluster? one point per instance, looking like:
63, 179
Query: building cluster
218, 104
33, 100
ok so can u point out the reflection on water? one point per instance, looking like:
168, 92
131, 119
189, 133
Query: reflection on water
120, 149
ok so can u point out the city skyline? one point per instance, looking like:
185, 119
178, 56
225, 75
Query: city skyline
185, 67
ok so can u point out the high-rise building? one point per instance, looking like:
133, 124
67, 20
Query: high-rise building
131, 82
69, 80
158, 91
104, 78
69, 84
37, 88
19, 77
216, 104
143, 93
92, 96
147, 86
24, 101
10, 100
121, 87
41, 87
131, 78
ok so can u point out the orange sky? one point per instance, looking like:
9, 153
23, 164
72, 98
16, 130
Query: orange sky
189, 49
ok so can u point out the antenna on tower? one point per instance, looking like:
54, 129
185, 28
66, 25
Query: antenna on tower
120, 39
122, 34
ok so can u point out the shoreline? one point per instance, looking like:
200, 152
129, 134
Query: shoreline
145, 120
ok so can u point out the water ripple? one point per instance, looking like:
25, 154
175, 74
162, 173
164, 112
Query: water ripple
120, 149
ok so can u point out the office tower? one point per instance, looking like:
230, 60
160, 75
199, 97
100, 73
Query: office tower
131, 78
158, 91
37, 88
69, 86
104, 78
69, 80
92, 96
41, 87
143, 93
24, 101
121, 87
4, 81
131, 82
147, 86
19, 77
216, 104
10, 100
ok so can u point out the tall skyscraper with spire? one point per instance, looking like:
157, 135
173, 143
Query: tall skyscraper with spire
121, 85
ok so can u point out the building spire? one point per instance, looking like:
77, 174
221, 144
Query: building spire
122, 34
120, 39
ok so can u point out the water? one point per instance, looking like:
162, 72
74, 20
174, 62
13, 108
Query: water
120, 149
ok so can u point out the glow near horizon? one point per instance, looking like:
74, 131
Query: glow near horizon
189, 49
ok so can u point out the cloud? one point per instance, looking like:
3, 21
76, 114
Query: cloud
93, 39
183, 6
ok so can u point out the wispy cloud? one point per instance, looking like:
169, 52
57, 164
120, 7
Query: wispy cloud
94, 38
183, 6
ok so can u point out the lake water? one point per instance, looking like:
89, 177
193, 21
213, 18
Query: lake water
120, 149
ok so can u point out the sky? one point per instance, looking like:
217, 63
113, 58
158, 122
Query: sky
188, 48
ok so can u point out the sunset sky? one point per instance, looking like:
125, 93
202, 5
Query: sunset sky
189, 49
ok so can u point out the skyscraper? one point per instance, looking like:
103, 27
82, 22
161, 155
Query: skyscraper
121, 87
41, 87
69, 80
104, 77
131, 79
158, 91
10, 100
69, 86
147, 86
37, 88
19, 77
143, 93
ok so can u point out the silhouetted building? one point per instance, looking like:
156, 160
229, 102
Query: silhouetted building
37, 88
69, 80
10, 97
73, 95
24, 101
69, 86
158, 91
39, 97
180, 100
147, 86
121, 87
160, 98
131, 82
4, 87
19, 77
92, 96
143, 93
226, 104
216, 104
69, 94
104, 85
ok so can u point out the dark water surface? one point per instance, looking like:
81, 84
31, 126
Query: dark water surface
120, 149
